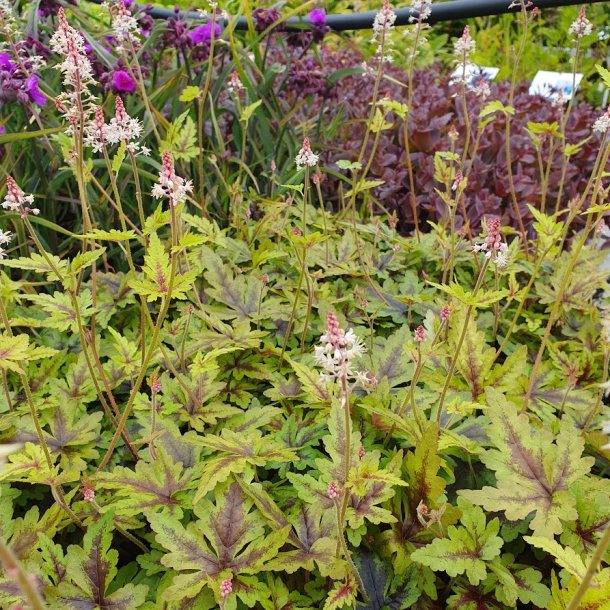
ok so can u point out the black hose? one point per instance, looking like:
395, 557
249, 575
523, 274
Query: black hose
441, 11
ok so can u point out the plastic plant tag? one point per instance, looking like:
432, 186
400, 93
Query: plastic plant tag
473, 72
549, 84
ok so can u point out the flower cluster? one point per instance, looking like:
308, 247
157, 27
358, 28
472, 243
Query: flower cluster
7, 19
202, 34
76, 69
17, 201
333, 491
337, 351
5, 238
306, 157
123, 128
96, 131
69, 43
124, 24
464, 46
17, 84
602, 124
177, 33
173, 187
234, 85
421, 8
265, 18
383, 23
319, 29
581, 27
88, 494
226, 586
493, 245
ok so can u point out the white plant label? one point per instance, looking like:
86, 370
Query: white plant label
548, 84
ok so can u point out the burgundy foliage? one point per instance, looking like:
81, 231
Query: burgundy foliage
435, 109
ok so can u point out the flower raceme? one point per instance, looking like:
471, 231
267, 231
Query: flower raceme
581, 27
602, 124
464, 46
76, 103
69, 43
17, 201
235, 85
170, 185
422, 9
124, 24
382, 25
123, 128
306, 157
337, 351
494, 247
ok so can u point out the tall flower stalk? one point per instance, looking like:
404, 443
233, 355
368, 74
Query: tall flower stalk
336, 355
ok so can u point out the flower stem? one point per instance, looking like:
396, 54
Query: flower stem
460, 342
600, 551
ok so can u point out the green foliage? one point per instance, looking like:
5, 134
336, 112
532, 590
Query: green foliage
467, 548
176, 434
533, 470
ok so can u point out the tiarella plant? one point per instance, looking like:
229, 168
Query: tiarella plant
296, 321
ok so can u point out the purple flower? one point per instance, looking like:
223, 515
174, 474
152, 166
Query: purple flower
122, 82
317, 16
203, 33
264, 18
31, 86
6, 63
2, 129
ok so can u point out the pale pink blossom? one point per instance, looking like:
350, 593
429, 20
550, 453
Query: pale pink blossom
170, 185
337, 351
226, 587
493, 245
464, 46
306, 157
17, 201
124, 24
422, 8
382, 25
5, 238
581, 27
602, 124
235, 85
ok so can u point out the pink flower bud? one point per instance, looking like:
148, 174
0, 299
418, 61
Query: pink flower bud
333, 490
226, 587
420, 334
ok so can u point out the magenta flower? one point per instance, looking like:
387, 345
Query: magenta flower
122, 82
317, 16
6, 63
31, 87
203, 33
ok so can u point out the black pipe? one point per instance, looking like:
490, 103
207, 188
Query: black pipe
441, 11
